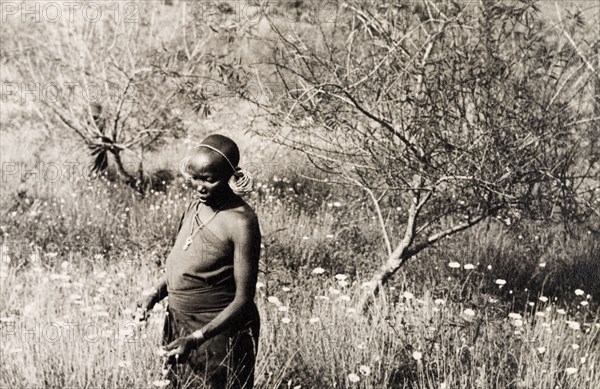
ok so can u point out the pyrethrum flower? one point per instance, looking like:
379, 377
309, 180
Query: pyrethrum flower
417, 355
353, 377
454, 265
571, 370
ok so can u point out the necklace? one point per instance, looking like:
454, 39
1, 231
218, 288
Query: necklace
201, 225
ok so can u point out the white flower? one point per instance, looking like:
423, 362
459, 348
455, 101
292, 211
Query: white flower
469, 312
285, 289
408, 295
274, 300
343, 284
541, 350
571, 370
454, 265
286, 320
333, 290
260, 285
583, 303
561, 311
543, 299
283, 309
500, 282
314, 320
365, 370
161, 383
573, 325
417, 355
439, 301
542, 264
353, 377
579, 292
469, 266
318, 270
575, 346
341, 277
518, 323
515, 316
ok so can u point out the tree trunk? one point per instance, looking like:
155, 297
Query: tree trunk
396, 258
129, 179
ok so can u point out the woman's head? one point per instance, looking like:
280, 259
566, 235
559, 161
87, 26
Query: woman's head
211, 166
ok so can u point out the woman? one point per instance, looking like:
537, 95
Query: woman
212, 324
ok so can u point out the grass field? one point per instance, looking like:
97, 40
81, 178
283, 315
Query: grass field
494, 308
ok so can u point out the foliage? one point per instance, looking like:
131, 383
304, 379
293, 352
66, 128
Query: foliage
122, 86
459, 111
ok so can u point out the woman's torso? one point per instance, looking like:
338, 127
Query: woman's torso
200, 277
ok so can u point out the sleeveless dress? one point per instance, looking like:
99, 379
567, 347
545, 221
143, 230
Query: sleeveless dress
196, 294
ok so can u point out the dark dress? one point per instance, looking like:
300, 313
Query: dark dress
196, 294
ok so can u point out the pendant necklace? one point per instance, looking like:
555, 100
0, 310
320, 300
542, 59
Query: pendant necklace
201, 225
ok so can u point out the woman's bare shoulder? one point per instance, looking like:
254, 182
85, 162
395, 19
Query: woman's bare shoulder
242, 213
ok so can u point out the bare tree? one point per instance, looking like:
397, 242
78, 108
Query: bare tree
457, 111
122, 84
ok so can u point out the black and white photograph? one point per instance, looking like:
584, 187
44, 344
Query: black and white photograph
300, 194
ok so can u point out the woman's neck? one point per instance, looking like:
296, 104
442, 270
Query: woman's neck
222, 200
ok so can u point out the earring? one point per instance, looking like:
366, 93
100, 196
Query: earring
241, 182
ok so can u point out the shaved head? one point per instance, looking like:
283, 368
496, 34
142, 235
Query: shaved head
224, 144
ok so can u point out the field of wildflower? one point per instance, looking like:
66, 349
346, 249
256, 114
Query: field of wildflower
506, 304
496, 307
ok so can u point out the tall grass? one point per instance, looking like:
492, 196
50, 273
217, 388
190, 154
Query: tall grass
76, 256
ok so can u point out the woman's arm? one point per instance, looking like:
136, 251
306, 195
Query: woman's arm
152, 296
160, 288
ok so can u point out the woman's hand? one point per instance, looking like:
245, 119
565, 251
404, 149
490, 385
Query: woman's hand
145, 304
180, 349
